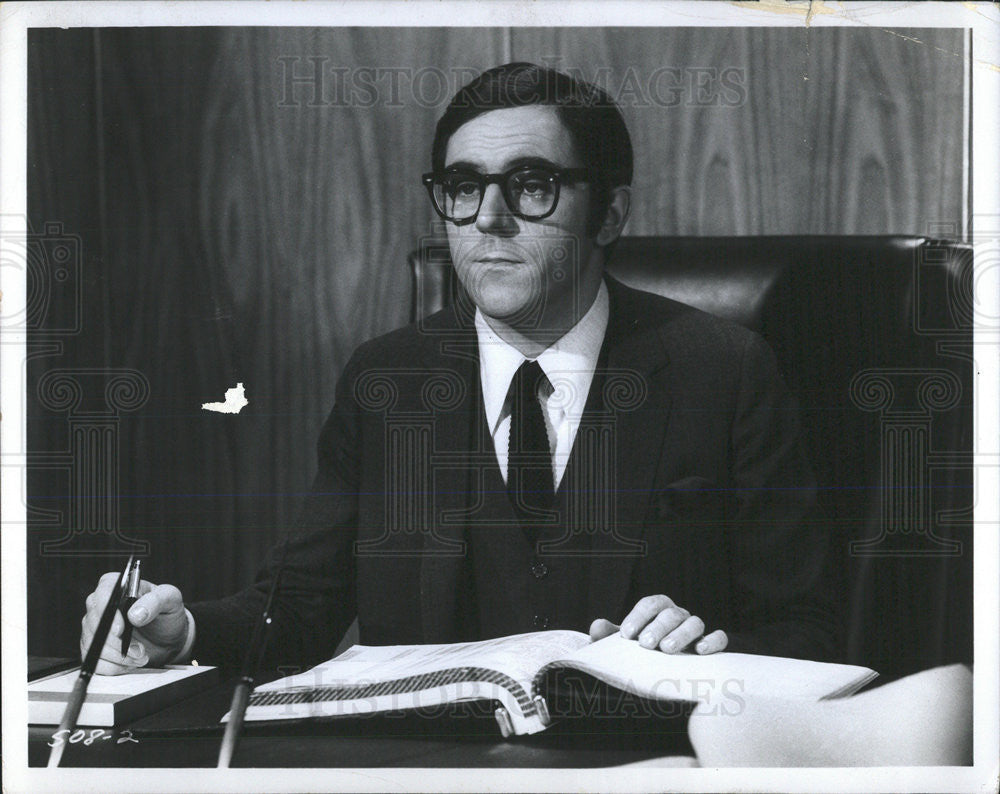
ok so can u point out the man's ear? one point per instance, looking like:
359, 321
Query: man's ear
619, 204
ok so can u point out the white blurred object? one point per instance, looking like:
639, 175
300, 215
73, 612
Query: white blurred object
922, 720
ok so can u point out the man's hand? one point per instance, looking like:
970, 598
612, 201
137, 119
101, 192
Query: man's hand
659, 623
160, 627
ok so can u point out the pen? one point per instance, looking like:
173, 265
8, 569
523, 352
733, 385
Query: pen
130, 596
245, 684
79, 692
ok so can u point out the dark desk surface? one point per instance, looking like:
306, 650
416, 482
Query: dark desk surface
188, 735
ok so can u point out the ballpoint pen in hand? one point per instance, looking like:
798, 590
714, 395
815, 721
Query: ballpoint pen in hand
79, 692
131, 595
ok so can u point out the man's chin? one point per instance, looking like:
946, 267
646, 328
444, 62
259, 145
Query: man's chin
512, 310
514, 294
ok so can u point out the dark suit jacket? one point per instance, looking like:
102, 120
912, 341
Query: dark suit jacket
709, 497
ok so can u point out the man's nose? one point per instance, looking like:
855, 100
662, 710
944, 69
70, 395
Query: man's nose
494, 215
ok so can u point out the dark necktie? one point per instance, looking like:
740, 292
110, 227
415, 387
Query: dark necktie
529, 461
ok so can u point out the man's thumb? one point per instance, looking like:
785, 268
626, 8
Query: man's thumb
138, 615
602, 628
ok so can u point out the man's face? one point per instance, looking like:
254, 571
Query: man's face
527, 273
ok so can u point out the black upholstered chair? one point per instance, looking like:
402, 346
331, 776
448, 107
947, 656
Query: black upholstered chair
874, 335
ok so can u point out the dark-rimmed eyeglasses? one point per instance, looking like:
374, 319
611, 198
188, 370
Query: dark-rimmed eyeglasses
531, 191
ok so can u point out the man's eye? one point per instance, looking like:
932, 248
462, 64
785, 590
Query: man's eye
465, 188
533, 185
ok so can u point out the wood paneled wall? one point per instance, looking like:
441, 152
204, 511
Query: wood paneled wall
234, 230
778, 131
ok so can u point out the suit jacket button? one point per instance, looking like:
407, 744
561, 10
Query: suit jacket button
540, 622
540, 570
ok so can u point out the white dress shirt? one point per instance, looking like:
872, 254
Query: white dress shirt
568, 364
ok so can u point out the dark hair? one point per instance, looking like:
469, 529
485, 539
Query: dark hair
591, 117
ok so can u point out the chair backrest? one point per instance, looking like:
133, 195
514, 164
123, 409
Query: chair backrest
874, 335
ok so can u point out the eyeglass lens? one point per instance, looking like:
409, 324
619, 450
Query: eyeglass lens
530, 192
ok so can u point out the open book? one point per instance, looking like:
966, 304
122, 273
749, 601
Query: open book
515, 672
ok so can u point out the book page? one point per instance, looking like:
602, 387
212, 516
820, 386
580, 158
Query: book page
714, 678
371, 679
519, 656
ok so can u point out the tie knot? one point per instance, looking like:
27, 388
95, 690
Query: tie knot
528, 380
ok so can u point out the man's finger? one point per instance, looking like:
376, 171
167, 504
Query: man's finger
642, 613
602, 628
113, 663
136, 648
681, 637
162, 599
92, 618
661, 625
110, 668
105, 585
712, 643
97, 600
110, 661
108, 579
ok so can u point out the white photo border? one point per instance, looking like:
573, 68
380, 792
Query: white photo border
982, 20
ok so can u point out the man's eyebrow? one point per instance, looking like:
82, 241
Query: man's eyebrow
517, 162
461, 165
533, 160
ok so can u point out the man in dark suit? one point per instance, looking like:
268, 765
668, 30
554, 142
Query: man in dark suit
554, 451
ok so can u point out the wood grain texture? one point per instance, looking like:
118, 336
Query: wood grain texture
307, 210
245, 235
779, 131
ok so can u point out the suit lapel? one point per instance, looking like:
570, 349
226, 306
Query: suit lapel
636, 396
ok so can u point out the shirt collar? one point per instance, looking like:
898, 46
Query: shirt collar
569, 363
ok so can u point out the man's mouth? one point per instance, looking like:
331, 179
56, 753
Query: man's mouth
501, 260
